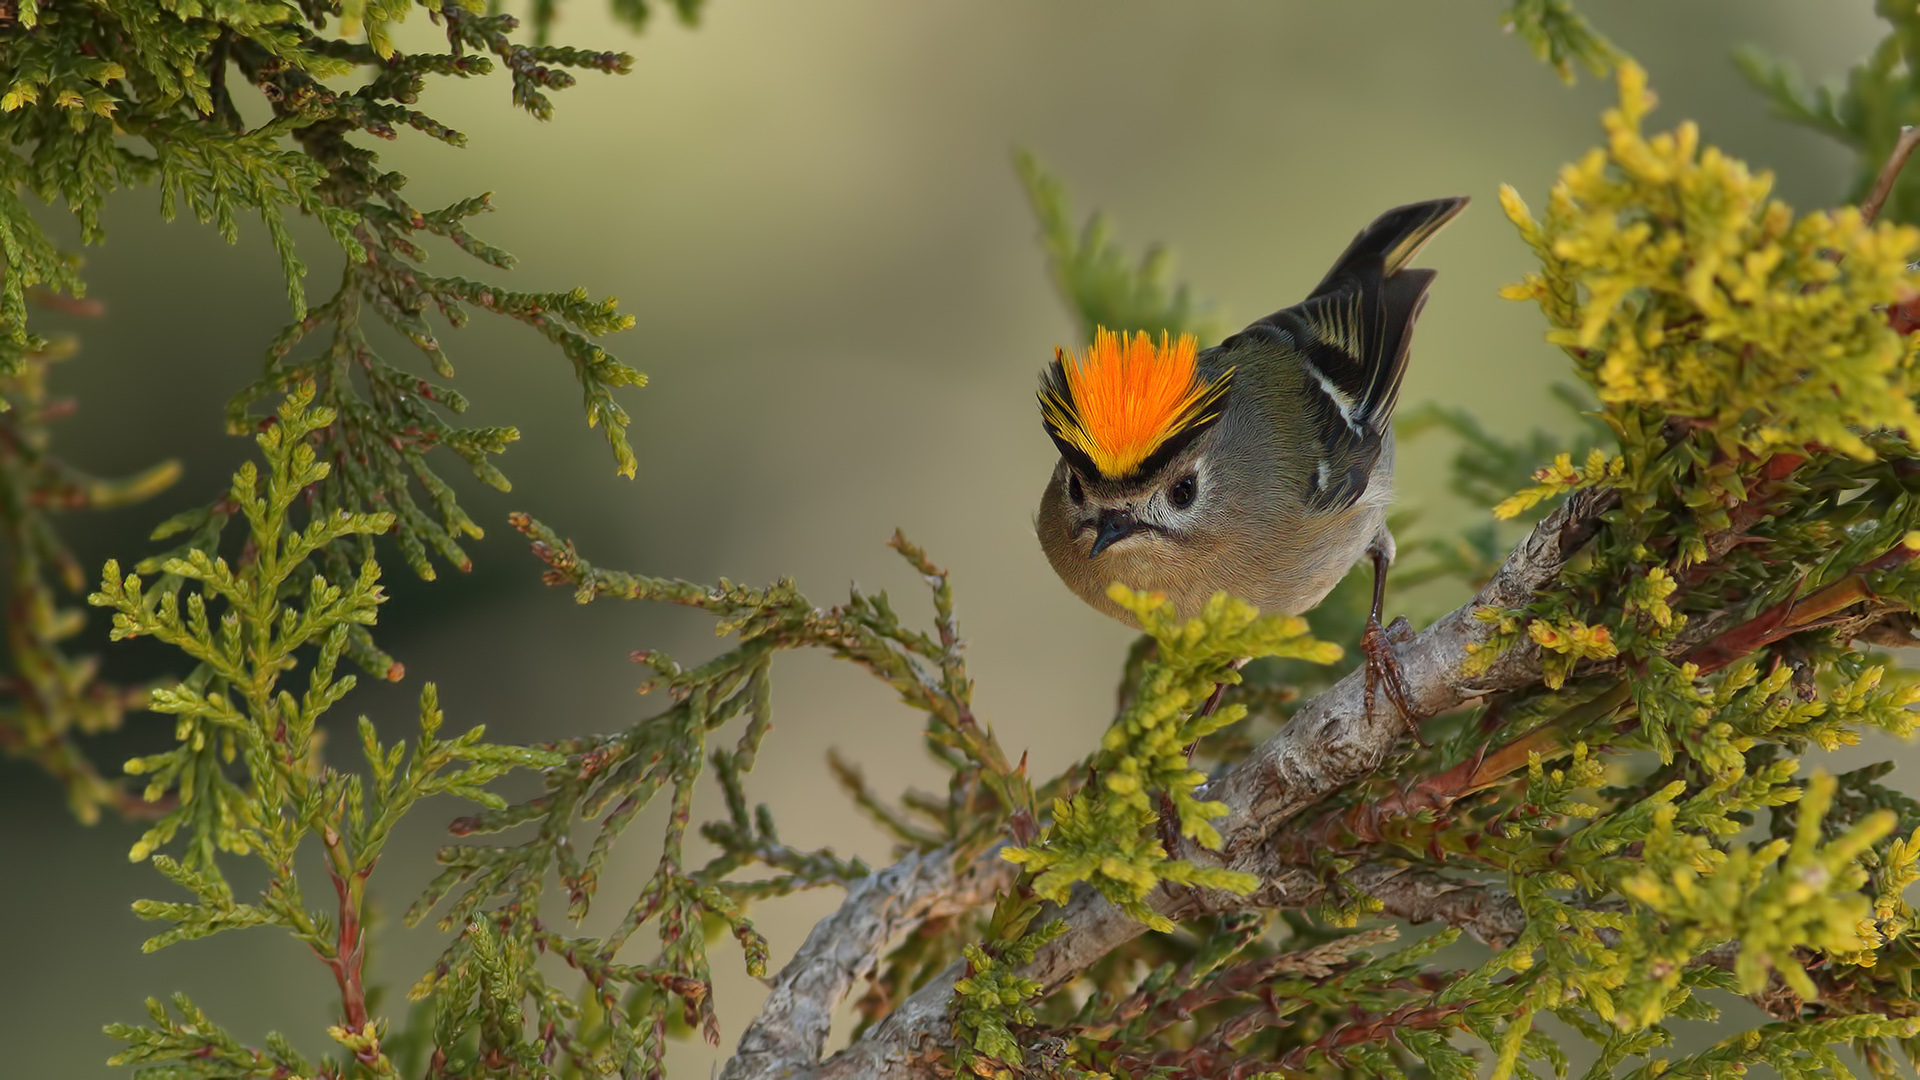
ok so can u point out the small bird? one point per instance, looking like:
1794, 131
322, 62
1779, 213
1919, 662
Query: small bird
1262, 466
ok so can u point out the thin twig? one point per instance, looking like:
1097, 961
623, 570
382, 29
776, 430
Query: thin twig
1890, 173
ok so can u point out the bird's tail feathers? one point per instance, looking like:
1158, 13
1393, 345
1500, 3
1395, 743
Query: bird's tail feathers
1393, 239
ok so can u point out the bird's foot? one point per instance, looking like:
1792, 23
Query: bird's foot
1384, 674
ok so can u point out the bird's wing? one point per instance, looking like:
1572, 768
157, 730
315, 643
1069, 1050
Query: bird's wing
1349, 338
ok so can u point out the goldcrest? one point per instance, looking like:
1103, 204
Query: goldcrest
1262, 466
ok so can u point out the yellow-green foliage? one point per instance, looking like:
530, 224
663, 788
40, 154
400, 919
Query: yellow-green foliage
1560, 36
1566, 643
1893, 917
1764, 414
1104, 834
1687, 891
1680, 288
1559, 478
1770, 899
1107, 833
994, 995
1703, 909
1648, 596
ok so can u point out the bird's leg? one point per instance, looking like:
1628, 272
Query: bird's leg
1383, 664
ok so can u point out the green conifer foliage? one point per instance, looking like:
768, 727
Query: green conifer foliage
101, 98
248, 626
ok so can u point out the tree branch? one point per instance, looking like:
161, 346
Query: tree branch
791, 1030
1330, 742
1490, 916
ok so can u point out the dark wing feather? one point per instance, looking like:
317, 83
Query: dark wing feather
1351, 336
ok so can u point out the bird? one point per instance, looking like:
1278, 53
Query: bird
1261, 467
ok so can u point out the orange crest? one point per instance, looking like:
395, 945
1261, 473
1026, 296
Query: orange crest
1126, 401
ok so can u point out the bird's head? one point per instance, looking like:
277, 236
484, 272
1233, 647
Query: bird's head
1126, 415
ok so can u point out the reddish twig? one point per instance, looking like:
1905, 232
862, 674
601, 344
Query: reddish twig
80, 307
348, 959
1369, 822
1794, 614
1890, 173
1744, 515
1372, 1029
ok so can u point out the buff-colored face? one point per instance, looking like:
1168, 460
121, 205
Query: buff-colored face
1160, 534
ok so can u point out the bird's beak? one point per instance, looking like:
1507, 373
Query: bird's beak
1113, 525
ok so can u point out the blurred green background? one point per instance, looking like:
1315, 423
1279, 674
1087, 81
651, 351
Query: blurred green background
811, 210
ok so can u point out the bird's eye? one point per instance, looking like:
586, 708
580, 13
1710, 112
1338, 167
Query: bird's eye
1074, 490
1182, 492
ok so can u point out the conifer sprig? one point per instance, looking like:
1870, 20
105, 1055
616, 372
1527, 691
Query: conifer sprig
1865, 110
1112, 833
1561, 36
248, 777
177, 81
1092, 274
1746, 468
53, 697
1105, 833
103, 98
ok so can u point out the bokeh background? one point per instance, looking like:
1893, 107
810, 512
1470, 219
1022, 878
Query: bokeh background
811, 210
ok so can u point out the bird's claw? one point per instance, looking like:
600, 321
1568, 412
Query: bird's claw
1384, 674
